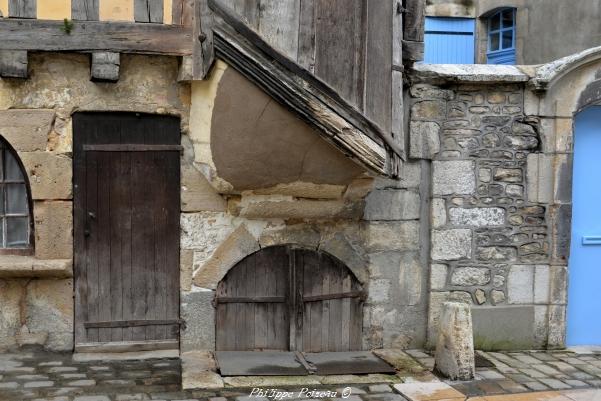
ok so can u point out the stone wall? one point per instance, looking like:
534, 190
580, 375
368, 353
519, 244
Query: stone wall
36, 292
490, 238
372, 225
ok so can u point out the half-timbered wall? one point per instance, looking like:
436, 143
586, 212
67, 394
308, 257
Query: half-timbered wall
156, 11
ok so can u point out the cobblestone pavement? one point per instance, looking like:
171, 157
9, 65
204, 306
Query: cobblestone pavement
34, 375
44, 376
520, 372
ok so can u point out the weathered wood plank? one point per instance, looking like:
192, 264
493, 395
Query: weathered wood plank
279, 25
397, 33
203, 52
306, 35
308, 97
378, 64
45, 35
22, 8
84, 10
339, 56
13, 63
398, 110
105, 66
414, 20
182, 12
413, 51
148, 11
249, 10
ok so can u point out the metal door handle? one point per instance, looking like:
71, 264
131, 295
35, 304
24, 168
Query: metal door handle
86, 230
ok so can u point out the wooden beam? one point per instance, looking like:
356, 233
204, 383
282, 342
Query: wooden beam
414, 20
203, 53
13, 63
105, 66
22, 8
120, 37
84, 10
148, 11
413, 51
130, 323
307, 97
413, 30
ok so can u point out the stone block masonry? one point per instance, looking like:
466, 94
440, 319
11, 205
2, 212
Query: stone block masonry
489, 232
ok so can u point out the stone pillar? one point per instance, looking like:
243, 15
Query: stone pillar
455, 348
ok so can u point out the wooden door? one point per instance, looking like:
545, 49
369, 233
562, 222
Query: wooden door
282, 298
331, 304
584, 285
126, 230
252, 308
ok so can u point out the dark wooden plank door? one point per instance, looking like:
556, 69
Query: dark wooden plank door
283, 298
126, 228
252, 309
331, 304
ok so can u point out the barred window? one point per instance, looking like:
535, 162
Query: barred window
14, 201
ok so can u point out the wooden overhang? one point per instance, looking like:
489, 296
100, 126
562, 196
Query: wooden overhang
304, 94
214, 30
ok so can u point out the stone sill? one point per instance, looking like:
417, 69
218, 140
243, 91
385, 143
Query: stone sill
17, 266
470, 73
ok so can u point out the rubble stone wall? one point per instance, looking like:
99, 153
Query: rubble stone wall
490, 237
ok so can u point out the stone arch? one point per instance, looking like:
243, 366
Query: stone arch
241, 243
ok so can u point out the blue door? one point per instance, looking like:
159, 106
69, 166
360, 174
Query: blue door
584, 290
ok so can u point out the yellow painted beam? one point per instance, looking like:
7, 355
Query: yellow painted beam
116, 10
168, 12
54, 9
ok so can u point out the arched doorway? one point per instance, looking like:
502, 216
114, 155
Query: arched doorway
285, 298
584, 304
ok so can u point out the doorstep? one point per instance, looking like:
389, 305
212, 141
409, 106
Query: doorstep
199, 371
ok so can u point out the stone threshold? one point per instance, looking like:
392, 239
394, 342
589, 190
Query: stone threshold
199, 371
20, 266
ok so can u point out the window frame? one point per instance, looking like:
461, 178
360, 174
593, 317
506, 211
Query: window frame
502, 54
6, 147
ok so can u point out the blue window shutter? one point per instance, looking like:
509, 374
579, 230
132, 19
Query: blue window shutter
449, 40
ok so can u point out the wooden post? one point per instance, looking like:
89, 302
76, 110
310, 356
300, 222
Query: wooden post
182, 12
84, 10
202, 37
22, 8
413, 30
148, 11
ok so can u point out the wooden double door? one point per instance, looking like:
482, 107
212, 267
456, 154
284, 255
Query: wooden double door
283, 298
126, 230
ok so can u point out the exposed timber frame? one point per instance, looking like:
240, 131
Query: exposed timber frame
88, 36
213, 31
307, 96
